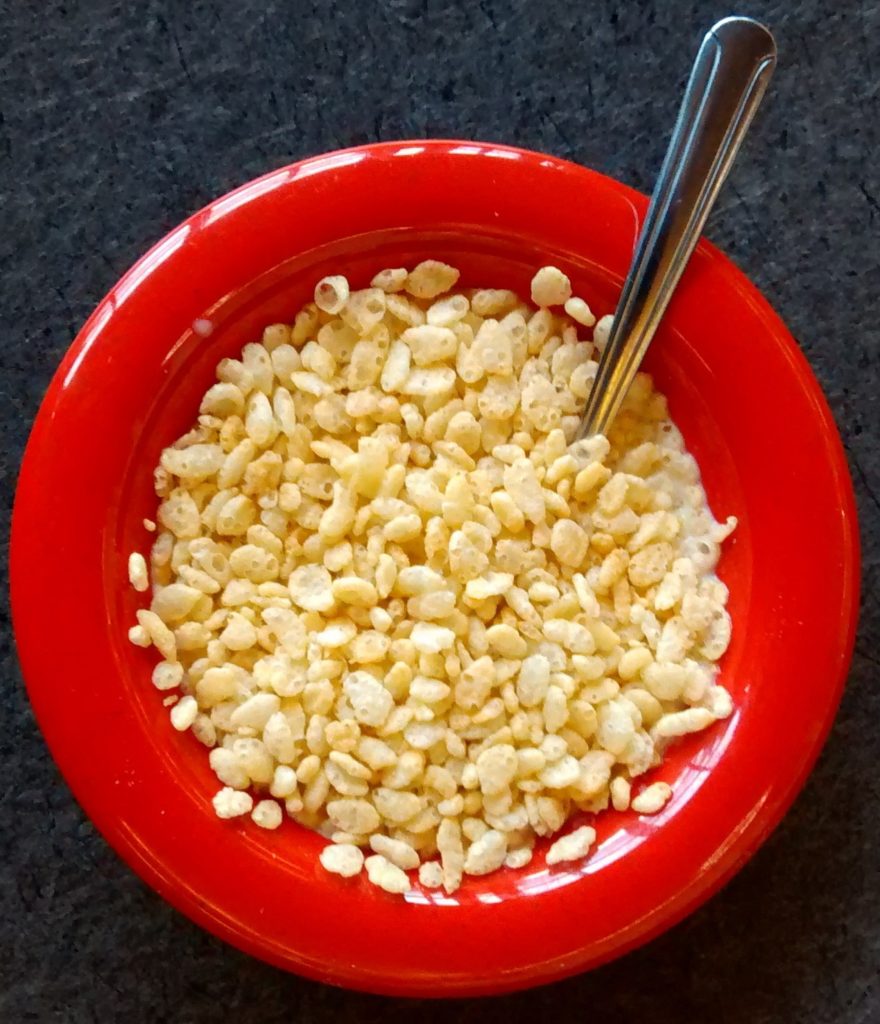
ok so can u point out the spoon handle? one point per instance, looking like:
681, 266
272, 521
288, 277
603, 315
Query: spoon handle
729, 76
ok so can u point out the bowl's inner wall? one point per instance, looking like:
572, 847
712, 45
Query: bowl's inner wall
485, 261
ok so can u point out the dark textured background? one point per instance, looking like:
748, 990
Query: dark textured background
119, 119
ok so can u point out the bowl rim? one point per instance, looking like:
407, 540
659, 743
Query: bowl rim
25, 611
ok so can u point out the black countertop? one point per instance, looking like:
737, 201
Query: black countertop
118, 120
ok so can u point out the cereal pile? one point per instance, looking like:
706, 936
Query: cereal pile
397, 603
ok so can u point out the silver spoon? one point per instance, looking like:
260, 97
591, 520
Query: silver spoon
729, 76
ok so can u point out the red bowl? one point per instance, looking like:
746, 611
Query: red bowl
750, 410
